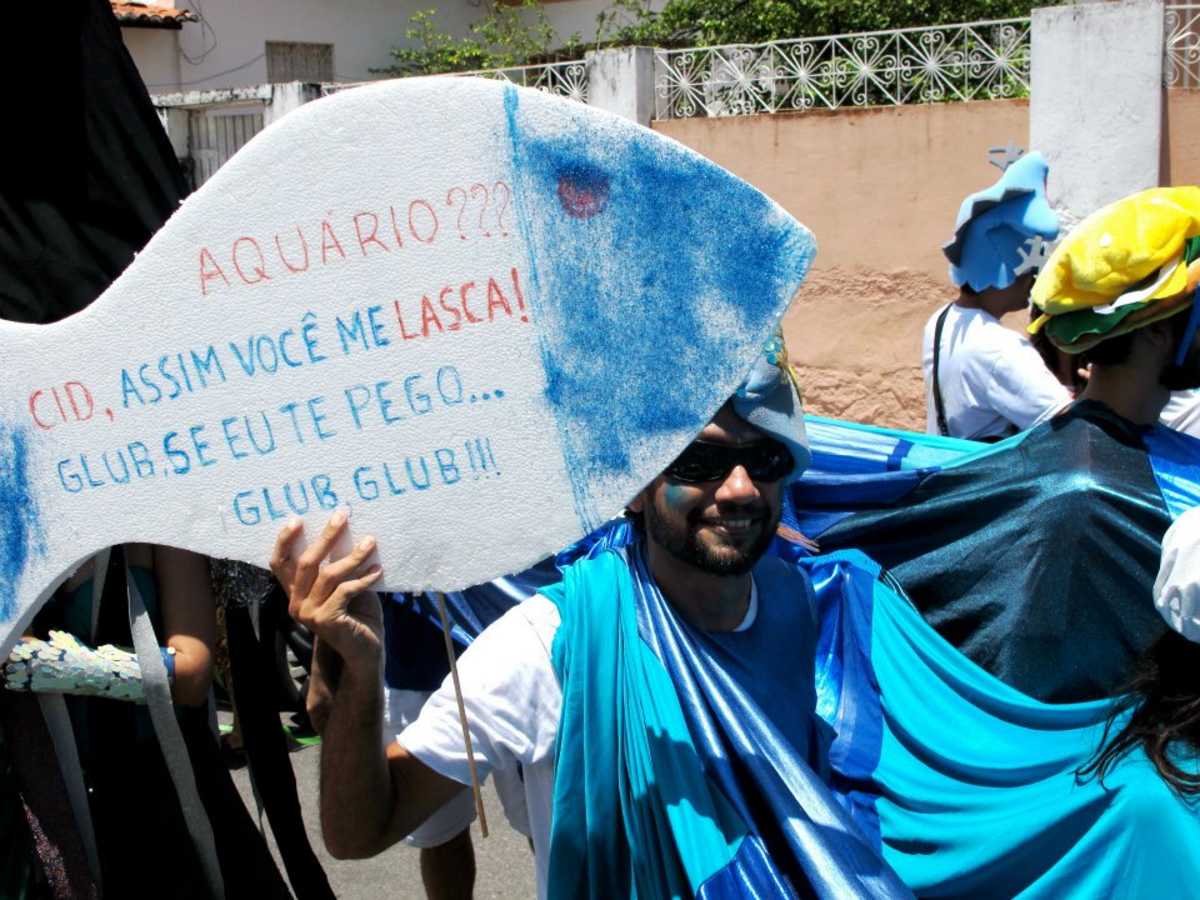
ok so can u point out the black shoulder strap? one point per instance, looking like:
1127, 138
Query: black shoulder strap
943, 428
112, 623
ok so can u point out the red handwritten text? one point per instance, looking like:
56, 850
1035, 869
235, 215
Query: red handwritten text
474, 211
455, 305
48, 411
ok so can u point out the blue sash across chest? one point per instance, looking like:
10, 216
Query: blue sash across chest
670, 781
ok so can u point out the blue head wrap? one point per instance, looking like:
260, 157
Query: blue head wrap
769, 399
994, 225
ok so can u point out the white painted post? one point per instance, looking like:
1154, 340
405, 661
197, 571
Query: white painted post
621, 80
1095, 108
286, 97
175, 121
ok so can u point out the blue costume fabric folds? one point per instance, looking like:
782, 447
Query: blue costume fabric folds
958, 763
1035, 557
973, 784
670, 779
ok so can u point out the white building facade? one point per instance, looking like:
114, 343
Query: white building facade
201, 45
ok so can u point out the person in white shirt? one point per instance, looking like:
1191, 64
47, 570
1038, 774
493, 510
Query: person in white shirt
1177, 588
1182, 412
982, 380
415, 664
993, 383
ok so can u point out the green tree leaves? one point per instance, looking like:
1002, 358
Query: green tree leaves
514, 34
709, 22
505, 35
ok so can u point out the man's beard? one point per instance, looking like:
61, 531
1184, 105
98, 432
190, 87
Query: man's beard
1182, 378
681, 540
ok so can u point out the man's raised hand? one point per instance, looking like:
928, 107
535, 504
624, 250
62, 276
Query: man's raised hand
332, 598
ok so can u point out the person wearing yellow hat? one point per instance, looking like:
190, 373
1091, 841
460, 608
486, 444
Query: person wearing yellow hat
1034, 558
1120, 291
1040, 687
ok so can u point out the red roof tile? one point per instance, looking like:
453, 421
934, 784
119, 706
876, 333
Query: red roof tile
151, 15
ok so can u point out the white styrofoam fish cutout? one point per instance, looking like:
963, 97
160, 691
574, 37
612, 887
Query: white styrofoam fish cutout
479, 317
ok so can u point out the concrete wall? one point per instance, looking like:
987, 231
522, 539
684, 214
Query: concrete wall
155, 52
1096, 109
1181, 137
880, 189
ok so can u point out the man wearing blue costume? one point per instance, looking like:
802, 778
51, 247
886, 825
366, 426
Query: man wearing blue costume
659, 700
982, 380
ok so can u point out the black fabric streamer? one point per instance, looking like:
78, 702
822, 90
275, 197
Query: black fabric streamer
256, 696
41, 852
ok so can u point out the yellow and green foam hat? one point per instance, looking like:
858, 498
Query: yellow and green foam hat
1129, 264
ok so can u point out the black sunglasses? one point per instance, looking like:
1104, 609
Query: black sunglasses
702, 461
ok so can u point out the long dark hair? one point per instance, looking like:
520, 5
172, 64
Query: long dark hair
1165, 701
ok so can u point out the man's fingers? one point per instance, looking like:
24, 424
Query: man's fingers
347, 590
309, 564
350, 565
337, 604
282, 565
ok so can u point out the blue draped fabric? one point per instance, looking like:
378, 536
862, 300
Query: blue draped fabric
972, 782
1035, 557
964, 776
670, 779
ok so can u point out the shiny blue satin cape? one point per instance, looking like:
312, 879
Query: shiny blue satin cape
964, 781
1012, 570
1035, 557
972, 784
684, 765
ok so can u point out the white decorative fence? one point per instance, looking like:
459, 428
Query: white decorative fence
979, 60
563, 79
1181, 57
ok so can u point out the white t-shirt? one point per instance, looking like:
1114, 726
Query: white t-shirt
513, 701
1182, 412
1177, 588
992, 379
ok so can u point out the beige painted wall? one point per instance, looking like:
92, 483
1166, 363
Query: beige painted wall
880, 189
1182, 137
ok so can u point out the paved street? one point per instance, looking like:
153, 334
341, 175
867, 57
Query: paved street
505, 864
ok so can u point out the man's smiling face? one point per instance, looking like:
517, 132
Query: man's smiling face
722, 526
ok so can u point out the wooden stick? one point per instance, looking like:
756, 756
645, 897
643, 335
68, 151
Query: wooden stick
462, 714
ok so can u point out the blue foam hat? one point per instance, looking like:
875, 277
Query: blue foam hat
993, 226
769, 399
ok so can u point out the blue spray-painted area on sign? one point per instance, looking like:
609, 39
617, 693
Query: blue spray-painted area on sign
20, 525
648, 248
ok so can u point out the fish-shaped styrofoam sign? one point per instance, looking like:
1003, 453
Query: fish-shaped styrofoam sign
479, 317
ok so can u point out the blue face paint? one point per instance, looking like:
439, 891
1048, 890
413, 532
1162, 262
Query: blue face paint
20, 527
677, 495
700, 256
